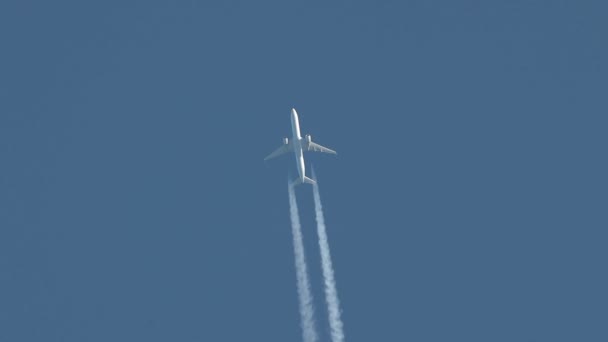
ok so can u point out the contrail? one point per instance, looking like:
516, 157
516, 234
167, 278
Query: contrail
331, 294
309, 331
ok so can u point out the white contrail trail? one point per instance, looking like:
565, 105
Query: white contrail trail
309, 331
331, 294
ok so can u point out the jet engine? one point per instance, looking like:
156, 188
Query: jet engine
285, 141
308, 138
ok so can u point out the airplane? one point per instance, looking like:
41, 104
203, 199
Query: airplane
298, 145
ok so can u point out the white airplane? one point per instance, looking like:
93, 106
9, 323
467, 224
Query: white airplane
298, 145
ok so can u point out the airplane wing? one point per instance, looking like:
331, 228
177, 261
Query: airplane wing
283, 149
311, 146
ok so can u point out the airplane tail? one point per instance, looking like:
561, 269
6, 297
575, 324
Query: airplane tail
299, 181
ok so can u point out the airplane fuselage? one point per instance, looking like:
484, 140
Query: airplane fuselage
297, 144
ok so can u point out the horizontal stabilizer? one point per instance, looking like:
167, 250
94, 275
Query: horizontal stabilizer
299, 181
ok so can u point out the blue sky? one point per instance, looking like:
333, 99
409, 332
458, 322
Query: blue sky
467, 202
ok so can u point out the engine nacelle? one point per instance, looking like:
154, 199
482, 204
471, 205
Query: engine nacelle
285, 141
308, 138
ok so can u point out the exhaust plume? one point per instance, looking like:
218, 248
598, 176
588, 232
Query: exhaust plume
307, 322
331, 294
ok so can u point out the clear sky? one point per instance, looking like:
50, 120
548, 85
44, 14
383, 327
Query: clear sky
467, 202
